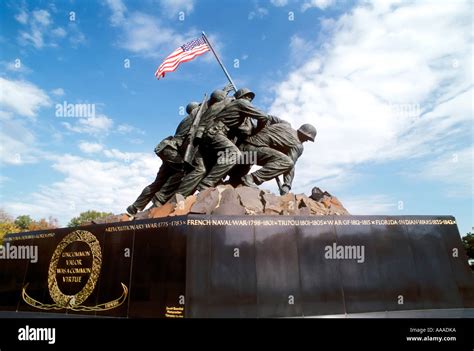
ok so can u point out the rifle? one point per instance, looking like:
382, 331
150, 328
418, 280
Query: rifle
190, 149
278, 181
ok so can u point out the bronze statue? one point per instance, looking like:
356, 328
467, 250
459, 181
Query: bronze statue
277, 147
171, 151
203, 158
221, 131
209, 142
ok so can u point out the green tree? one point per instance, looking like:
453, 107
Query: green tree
7, 225
86, 217
23, 222
5, 217
43, 224
8, 228
468, 242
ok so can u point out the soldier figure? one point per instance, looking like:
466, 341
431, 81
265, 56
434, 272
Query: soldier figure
203, 158
277, 148
169, 176
241, 169
223, 123
221, 131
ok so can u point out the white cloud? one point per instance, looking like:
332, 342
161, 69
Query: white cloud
38, 30
299, 48
35, 38
118, 9
22, 97
16, 66
173, 7
59, 32
42, 17
279, 3
379, 64
144, 34
454, 169
76, 37
370, 205
89, 184
100, 125
136, 141
96, 125
321, 4
16, 142
127, 128
90, 148
39, 22
259, 12
22, 17
119, 155
58, 92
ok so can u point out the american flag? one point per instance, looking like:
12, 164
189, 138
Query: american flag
184, 53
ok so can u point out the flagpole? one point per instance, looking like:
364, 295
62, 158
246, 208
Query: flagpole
220, 62
231, 82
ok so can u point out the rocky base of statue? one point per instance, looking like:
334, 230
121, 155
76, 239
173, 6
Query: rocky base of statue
243, 200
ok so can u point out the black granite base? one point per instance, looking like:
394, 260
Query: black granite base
248, 266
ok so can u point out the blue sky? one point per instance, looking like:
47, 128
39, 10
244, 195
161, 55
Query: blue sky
388, 84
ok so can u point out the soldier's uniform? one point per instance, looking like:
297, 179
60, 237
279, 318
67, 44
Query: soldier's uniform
220, 134
277, 148
241, 169
203, 159
171, 151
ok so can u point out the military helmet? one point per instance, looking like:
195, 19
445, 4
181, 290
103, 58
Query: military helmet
243, 92
191, 106
308, 130
218, 95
